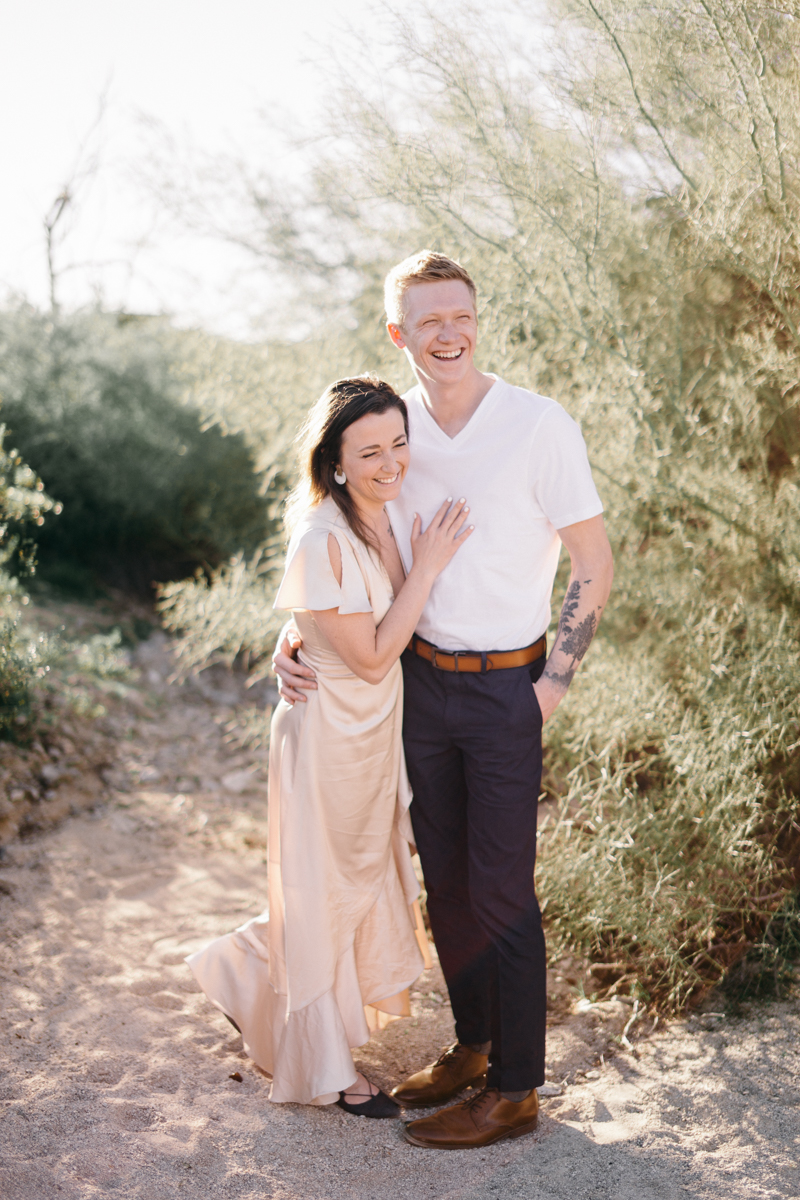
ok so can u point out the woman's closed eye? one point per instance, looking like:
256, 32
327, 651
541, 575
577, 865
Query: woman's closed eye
397, 446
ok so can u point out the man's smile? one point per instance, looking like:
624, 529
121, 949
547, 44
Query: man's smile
448, 354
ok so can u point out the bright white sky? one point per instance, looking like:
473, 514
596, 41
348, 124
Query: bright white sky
202, 68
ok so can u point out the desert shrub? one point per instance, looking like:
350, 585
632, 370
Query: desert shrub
629, 203
23, 502
15, 681
149, 490
769, 967
101, 656
224, 617
675, 839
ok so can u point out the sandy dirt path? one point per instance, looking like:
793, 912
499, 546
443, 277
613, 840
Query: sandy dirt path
119, 1079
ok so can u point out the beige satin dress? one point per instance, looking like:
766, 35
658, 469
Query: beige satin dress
341, 941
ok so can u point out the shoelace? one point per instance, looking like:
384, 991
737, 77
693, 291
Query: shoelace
479, 1099
450, 1053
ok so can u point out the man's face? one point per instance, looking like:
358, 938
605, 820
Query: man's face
439, 330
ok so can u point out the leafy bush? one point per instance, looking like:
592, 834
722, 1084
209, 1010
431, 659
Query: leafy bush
675, 836
101, 656
149, 491
226, 617
769, 967
22, 502
15, 681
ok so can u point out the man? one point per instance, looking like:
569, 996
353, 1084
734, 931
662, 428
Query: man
478, 689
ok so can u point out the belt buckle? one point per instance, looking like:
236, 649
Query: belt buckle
456, 654
448, 654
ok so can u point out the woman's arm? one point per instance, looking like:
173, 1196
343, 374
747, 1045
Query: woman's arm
368, 651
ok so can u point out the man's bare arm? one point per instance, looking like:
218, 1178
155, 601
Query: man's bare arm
587, 592
294, 679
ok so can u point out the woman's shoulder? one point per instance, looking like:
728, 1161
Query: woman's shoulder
325, 517
308, 581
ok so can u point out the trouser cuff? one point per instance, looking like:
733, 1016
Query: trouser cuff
509, 1081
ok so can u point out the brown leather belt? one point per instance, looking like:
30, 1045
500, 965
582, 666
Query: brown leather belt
477, 661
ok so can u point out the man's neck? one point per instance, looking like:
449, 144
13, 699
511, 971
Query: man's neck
452, 407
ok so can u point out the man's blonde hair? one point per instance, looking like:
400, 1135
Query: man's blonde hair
426, 266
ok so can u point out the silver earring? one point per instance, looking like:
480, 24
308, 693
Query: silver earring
339, 476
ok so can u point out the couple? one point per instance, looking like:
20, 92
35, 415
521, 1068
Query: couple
425, 537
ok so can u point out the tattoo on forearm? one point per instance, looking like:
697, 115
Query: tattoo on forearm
562, 681
575, 638
578, 640
571, 602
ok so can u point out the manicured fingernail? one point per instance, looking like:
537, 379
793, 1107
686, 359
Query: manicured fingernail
466, 508
472, 526
461, 501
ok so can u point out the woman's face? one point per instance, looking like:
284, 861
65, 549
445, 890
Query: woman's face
374, 457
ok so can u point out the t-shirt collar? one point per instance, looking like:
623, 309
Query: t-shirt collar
478, 417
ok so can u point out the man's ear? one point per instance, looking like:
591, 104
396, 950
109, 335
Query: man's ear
396, 334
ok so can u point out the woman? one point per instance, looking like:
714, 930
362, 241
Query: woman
340, 933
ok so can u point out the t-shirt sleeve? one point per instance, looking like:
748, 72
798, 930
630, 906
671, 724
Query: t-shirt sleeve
561, 475
309, 582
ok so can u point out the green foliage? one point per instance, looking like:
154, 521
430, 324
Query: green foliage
22, 502
15, 681
631, 213
102, 656
80, 674
227, 616
769, 968
148, 490
673, 841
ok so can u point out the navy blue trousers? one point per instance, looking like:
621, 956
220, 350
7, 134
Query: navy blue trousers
473, 746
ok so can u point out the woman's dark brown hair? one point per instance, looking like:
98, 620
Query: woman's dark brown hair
320, 443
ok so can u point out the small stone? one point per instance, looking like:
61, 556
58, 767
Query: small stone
550, 1089
235, 1075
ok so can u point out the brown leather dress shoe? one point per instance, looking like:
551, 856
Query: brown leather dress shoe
479, 1121
457, 1068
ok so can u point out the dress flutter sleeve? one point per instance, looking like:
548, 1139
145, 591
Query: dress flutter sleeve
309, 582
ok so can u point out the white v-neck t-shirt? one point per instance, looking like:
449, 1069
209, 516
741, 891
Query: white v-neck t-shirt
521, 464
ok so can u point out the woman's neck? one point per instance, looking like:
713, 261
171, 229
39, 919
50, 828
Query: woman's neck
371, 514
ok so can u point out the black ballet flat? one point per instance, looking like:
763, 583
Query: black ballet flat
377, 1106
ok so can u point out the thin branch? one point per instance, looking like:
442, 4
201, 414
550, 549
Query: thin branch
640, 103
